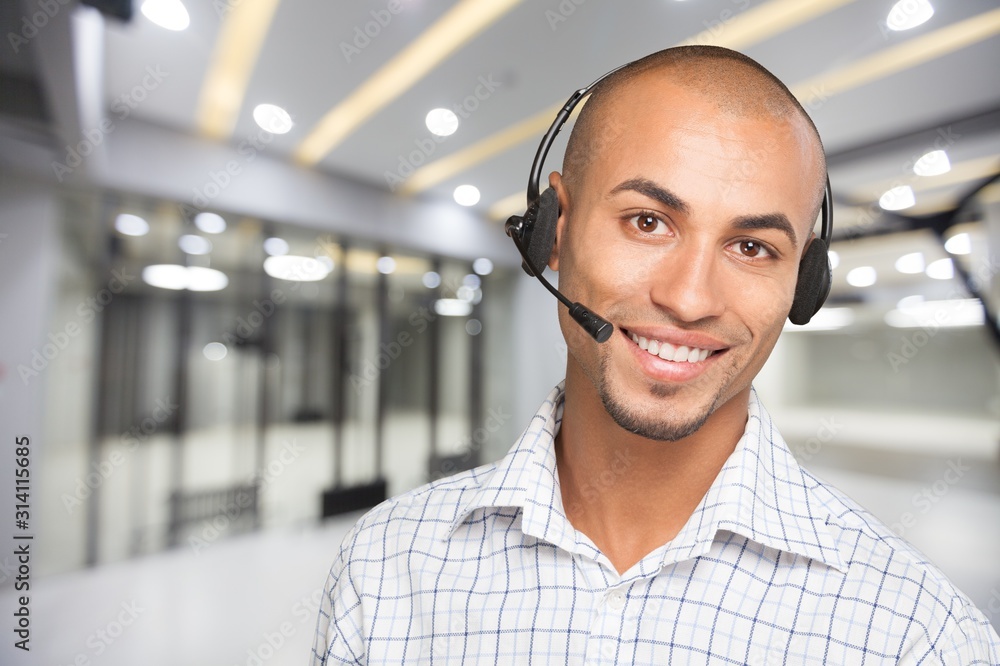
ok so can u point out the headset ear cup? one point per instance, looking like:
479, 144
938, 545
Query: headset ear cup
813, 285
542, 235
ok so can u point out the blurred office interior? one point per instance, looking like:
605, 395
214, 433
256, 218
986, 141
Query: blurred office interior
255, 279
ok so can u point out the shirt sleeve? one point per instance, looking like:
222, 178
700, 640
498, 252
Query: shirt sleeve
971, 640
339, 628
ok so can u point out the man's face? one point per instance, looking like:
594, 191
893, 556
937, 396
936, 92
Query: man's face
685, 231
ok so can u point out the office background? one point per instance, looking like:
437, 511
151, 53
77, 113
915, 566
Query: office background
217, 312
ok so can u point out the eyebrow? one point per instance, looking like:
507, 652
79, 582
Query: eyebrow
767, 221
648, 188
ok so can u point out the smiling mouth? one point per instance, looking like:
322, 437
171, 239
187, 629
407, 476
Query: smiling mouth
669, 352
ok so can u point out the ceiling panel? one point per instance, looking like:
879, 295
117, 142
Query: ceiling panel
536, 55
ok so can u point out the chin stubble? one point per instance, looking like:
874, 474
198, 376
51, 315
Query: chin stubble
646, 426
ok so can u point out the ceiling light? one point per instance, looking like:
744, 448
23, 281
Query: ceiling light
907, 14
467, 195
206, 279
465, 293
834, 258
295, 268
215, 351
942, 269
385, 265
165, 276
482, 266
275, 246
862, 276
326, 261
933, 163
473, 327
945, 314
827, 319
169, 14
131, 225
452, 307
431, 280
898, 198
959, 244
911, 263
176, 277
908, 303
210, 223
442, 122
192, 244
472, 280
272, 118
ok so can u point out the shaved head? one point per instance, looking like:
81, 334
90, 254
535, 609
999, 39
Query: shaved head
736, 85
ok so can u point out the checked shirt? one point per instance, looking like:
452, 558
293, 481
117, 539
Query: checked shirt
774, 567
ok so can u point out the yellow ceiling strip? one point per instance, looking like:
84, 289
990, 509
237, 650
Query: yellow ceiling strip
241, 37
990, 193
753, 25
459, 25
909, 54
961, 172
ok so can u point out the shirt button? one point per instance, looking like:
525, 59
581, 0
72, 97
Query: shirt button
616, 600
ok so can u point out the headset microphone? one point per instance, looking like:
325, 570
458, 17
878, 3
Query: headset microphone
599, 328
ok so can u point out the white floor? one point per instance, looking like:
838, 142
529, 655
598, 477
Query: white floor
244, 600
251, 600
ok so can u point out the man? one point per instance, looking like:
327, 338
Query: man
650, 514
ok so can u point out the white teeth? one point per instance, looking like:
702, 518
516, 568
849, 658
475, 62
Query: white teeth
668, 352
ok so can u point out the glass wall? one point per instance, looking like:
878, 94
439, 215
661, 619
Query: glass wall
230, 371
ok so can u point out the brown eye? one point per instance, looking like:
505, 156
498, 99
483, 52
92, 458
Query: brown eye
751, 248
647, 223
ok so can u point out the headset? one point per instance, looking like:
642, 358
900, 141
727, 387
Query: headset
534, 235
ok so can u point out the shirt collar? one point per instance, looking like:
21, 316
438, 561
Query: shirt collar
527, 478
761, 493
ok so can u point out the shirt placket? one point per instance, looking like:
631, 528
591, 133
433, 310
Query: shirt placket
615, 620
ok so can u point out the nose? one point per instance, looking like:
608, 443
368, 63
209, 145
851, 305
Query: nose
686, 282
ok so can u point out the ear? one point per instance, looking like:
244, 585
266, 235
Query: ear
557, 184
